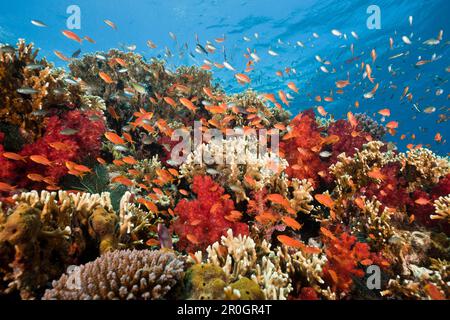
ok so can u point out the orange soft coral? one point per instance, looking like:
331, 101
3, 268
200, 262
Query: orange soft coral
346, 259
301, 148
203, 221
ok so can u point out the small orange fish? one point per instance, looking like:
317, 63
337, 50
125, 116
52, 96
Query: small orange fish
35, 177
5, 187
234, 216
114, 138
327, 233
188, 104
322, 111
375, 173
385, 112
325, 199
72, 35
438, 137
60, 146
129, 160
40, 160
152, 242
392, 125
293, 87
290, 242
292, 223
89, 39
192, 238
242, 78
283, 97
13, 156
60, 55
82, 168
105, 77
101, 160
351, 118
422, 201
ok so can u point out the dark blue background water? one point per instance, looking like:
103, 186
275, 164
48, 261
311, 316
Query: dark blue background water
279, 25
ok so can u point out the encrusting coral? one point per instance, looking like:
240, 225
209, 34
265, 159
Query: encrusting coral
122, 274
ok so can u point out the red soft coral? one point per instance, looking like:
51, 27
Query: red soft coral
203, 221
301, 148
350, 139
85, 143
345, 258
391, 191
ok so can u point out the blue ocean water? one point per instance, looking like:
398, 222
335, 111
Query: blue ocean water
278, 26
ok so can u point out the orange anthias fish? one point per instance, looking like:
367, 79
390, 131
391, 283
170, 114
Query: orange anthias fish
422, 201
13, 156
351, 118
375, 173
40, 160
5, 187
325, 199
60, 55
105, 77
321, 111
292, 223
293, 87
291, 242
188, 104
114, 138
438, 137
72, 35
242, 78
392, 125
283, 97
385, 112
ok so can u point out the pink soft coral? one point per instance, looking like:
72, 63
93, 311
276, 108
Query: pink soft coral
203, 221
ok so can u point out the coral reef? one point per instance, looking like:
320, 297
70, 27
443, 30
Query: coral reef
236, 219
123, 274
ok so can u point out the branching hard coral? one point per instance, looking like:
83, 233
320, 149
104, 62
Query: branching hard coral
45, 232
30, 88
423, 168
236, 162
306, 269
240, 257
123, 274
442, 207
204, 220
